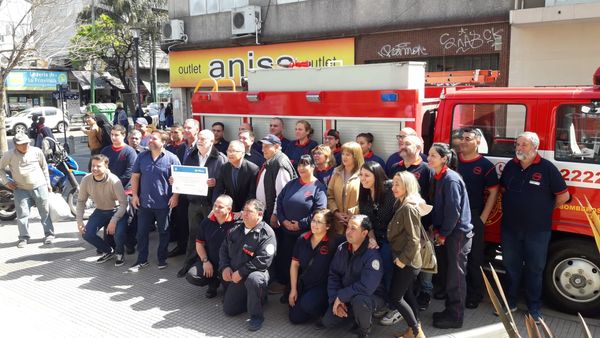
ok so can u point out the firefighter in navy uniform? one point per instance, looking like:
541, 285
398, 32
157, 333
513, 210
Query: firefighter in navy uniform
244, 260
479, 175
354, 286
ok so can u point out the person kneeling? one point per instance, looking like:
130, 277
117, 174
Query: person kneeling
211, 233
311, 258
105, 189
354, 286
244, 260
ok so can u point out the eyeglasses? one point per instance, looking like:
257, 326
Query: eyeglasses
400, 137
318, 222
229, 151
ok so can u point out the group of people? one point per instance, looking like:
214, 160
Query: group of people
332, 227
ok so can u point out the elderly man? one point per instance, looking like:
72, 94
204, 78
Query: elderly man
151, 195
244, 259
354, 287
211, 233
238, 178
205, 155
533, 188
30, 182
106, 190
251, 154
134, 139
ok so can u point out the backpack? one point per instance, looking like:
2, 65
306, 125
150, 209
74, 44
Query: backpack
53, 150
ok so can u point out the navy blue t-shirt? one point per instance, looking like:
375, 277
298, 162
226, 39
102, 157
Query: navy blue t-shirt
298, 200
154, 189
324, 175
212, 234
530, 194
451, 208
337, 154
391, 165
370, 156
478, 174
295, 150
177, 149
317, 273
120, 161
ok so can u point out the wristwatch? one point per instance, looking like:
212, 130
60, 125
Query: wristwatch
204, 260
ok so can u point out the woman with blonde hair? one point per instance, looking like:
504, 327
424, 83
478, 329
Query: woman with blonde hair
342, 191
325, 163
404, 236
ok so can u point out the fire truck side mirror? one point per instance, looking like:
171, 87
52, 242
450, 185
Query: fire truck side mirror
596, 79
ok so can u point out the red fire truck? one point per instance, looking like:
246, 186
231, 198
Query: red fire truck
384, 98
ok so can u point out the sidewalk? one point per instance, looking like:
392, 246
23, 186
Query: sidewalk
59, 291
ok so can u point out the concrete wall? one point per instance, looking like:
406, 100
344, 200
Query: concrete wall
554, 53
326, 18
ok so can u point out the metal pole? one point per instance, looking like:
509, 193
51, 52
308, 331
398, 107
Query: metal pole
136, 42
92, 80
153, 68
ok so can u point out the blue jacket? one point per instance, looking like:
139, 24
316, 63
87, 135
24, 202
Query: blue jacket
451, 208
357, 273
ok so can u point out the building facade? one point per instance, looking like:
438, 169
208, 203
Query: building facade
453, 35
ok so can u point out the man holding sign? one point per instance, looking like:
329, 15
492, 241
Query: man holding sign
200, 204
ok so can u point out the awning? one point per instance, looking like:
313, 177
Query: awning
161, 87
113, 81
84, 78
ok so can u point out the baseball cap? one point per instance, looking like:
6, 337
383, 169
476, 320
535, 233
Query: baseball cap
21, 138
271, 139
141, 121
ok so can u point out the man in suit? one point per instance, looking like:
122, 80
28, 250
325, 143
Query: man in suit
238, 177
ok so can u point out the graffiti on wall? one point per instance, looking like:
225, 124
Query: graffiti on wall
402, 49
465, 40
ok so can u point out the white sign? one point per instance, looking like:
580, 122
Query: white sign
190, 180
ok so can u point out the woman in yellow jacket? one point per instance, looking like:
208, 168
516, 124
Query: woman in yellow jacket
342, 191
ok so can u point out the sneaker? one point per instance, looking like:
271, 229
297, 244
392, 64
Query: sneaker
391, 318
105, 258
49, 239
255, 323
536, 315
21, 243
423, 300
162, 265
512, 310
138, 266
379, 313
120, 260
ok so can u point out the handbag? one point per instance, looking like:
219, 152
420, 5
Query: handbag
429, 261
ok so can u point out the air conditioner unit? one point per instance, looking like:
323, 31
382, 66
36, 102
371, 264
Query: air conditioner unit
173, 30
246, 20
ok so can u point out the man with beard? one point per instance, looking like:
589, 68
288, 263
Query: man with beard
533, 188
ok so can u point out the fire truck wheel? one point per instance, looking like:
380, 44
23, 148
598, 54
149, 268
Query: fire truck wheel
572, 276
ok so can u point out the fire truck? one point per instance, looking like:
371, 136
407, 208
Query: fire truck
383, 98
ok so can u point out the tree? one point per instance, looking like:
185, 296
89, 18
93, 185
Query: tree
22, 37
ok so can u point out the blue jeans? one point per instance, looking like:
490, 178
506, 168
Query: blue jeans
99, 219
385, 250
23, 202
525, 251
146, 218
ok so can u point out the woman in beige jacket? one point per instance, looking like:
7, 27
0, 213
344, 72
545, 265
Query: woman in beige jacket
342, 191
404, 236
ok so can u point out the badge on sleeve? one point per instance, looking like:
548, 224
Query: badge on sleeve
270, 249
375, 264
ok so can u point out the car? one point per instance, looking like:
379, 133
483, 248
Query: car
21, 121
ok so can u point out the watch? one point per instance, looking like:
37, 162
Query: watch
204, 260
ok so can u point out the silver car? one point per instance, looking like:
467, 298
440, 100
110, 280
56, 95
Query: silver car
21, 121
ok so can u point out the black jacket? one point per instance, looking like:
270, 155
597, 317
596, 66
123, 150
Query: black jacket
250, 252
271, 167
245, 188
214, 163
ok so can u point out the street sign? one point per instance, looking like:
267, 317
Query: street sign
71, 96
56, 95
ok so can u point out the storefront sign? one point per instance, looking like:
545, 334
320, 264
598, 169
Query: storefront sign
187, 68
34, 80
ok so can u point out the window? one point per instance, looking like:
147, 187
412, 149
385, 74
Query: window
500, 124
577, 133
200, 7
50, 111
